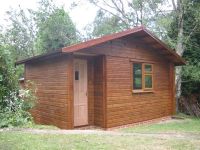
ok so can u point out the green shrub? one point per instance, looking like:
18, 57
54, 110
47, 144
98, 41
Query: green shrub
14, 102
12, 119
16, 111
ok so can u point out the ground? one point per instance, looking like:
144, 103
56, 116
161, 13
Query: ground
176, 134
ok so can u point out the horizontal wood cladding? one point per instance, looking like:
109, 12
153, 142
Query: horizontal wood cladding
51, 79
111, 101
98, 92
122, 105
127, 49
91, 91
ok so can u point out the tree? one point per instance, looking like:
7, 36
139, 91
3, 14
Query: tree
154, 15
103, 24
45, 9
32, 32
56, 31
13, 107
191, 72
185, 24
50, 28
132, 13
8, 77
20, 34
114, 16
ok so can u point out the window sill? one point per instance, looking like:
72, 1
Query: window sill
142, 91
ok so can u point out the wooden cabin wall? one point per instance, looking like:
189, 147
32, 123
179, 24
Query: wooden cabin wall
98, 92
127, 49
110, 99
51, 79
123, 106
90, 91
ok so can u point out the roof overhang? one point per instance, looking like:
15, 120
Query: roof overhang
137, 33
43, 56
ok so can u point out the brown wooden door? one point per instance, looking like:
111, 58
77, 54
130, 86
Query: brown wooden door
80, 93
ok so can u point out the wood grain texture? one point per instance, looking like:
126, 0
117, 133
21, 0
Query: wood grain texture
91, 91
173, 88
111, 101
70, 90
53, 91
122, 106
98, 92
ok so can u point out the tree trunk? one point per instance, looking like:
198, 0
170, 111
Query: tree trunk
179, 49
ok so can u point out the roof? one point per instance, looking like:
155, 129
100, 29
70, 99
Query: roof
140, 33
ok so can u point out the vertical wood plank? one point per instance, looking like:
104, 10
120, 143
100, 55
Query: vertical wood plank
104, 92
70, 70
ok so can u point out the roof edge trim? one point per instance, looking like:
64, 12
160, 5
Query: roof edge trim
101, 40
183, 62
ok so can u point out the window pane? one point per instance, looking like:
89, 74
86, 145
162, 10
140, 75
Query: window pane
148, 81
76, 75
137, 76
148, 68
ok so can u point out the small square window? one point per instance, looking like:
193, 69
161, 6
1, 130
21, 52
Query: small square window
148, 81
148, 68
76, 75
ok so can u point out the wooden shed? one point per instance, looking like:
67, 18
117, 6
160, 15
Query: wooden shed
115, 80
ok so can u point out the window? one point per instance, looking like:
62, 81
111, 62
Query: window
76, 75
137, 74
142, 76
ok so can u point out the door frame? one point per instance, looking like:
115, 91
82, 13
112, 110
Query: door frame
70, 101
73, 76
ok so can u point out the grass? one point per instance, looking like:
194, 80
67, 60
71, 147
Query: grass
38, 126
187, 124
26, 141
18, 140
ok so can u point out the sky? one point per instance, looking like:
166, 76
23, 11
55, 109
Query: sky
81, 15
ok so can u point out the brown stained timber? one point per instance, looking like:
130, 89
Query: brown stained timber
95, 42
111, 100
